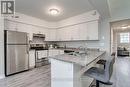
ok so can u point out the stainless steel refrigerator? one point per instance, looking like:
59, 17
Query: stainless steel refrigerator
16, 52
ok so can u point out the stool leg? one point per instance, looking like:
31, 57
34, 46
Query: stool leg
97, 83
104, 66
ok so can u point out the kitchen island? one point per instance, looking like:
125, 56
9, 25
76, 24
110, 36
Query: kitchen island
67, 70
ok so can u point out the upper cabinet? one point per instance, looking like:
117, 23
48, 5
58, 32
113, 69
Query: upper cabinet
51, 35
92, 30
74, 31
89, 31
9, 25
63, 34
84, 31
23, 27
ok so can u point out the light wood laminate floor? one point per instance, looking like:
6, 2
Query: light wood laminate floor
40, 77
121, 73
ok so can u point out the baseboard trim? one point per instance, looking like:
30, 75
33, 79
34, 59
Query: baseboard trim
2, 76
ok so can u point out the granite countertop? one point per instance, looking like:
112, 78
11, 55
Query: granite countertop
81, 60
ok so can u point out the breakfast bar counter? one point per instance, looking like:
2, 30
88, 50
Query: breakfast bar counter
67, 69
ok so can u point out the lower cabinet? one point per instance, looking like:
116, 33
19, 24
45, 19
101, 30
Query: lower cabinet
31, 58
39, 56
54, 52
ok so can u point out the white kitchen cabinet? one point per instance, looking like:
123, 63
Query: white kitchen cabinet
61, 52
61, 34
83, 31
68, 33
51, 35
74, 31
10, 25
65, 70
30, 29
64, 34
92, 30
22, 27
31, 58
88, 31
54, 52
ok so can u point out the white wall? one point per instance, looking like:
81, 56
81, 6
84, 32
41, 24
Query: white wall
1, 49
1, 46
34, 21
88, 16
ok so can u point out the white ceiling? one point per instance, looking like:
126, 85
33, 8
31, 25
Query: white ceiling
102, 7
69, 8
119, 7
39, 8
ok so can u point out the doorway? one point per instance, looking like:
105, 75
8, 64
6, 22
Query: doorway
120, 37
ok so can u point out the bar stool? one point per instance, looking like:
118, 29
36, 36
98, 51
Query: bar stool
102, 75
102, 61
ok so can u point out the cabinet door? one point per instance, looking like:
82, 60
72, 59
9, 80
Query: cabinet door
51, 35
61, 52
83, 31
53, 52
31, 58
61, 34
74, 32
92, 30
9, 25
22, 27
67, 34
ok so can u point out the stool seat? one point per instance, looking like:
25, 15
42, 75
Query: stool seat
102, 75
103, 62
97, 73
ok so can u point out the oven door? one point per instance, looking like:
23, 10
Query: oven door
40, 54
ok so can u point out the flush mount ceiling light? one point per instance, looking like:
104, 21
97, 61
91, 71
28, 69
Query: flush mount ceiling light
124, 27
54, 11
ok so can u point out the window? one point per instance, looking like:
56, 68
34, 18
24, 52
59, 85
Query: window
124, 37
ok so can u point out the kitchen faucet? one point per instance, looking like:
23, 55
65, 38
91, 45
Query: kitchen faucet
82, 48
